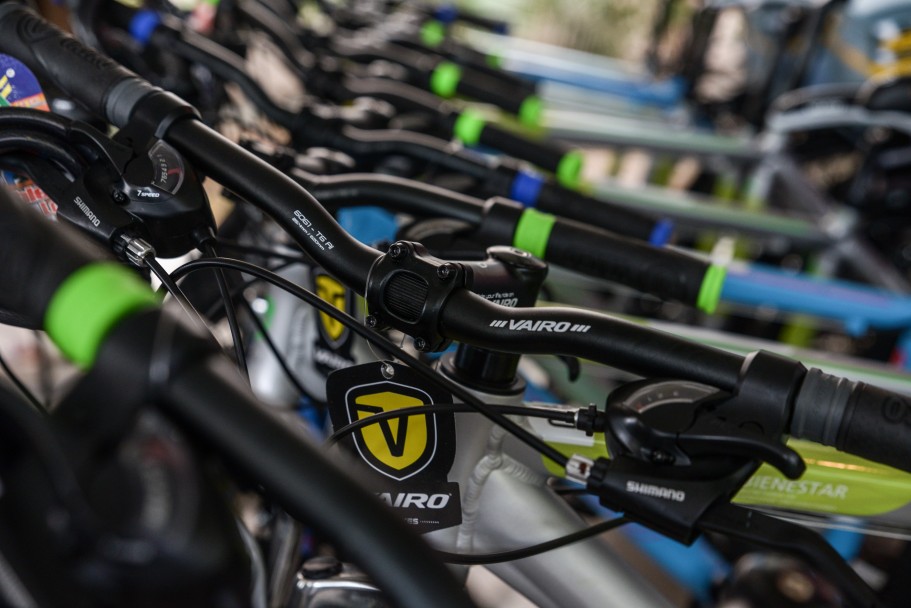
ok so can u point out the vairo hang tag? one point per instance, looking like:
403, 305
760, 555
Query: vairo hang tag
333, 331
398, 448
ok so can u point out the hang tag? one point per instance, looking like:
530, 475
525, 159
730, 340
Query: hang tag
332, 344
413, 455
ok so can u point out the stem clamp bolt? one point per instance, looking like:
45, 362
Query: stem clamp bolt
397, 251
445, 271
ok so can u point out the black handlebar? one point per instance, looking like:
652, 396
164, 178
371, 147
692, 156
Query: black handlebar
859, 418
425, 71
293, 207
854, 417
373, 145
597, 337
490, 89
544, 154
573, 245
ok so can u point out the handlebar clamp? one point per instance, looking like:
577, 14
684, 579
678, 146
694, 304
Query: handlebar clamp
407, 289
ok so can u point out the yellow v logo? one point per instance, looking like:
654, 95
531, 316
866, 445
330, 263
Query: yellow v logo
398, 447
334, 293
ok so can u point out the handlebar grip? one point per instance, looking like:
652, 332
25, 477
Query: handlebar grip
661, 272
545, 155
489, 89
854, 417
36, 257
447, 79
576, 206
106, 88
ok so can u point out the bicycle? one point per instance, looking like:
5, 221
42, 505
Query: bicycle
474, 320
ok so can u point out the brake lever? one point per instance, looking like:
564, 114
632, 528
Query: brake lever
711, 436
676, 423
673, 443
678, 458
766, 531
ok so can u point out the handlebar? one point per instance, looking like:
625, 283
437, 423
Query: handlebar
856, 415
500, 178
105, 316
573, 245
290, 205
468, 126
448, 79
444, 78
549, 156
26, 259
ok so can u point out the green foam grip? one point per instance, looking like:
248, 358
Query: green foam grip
468, 127
569, 169
533, 232
89, 303
530, 111
710, 290
433, 33
445, 79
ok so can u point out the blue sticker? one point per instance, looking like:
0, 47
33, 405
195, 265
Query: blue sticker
526, 186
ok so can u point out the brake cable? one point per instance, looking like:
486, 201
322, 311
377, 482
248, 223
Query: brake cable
513, 410
383, 343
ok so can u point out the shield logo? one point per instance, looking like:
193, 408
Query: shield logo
333, 292
399, 447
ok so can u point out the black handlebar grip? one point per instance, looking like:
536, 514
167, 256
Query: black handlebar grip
546, 155
854, 417
573, 205
105, 88
35, 258
662, 272
490, 89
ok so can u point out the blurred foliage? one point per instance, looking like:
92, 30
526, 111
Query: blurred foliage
618, 28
